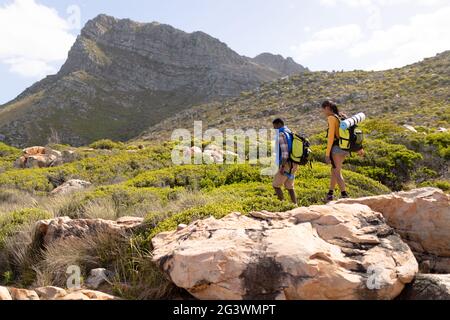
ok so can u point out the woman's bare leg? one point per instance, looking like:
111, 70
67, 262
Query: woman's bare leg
337, 172
333, 180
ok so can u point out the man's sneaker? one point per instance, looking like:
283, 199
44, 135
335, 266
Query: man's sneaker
329, 198
344, 195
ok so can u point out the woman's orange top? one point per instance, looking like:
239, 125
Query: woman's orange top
333, 133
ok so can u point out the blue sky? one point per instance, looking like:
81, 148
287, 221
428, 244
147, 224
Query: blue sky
35, 35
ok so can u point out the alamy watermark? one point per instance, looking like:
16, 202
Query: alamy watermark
73, 277
231, 146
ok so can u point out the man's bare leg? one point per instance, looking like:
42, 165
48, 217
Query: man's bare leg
279, 193
293, 196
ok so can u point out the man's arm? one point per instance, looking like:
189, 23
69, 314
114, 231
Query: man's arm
284, 147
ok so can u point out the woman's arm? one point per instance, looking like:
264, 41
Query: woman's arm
331, 134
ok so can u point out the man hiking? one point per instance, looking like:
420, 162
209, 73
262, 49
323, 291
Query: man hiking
285, 175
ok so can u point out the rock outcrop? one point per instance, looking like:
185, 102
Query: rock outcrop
283, 66
428, 287
39, 157
422, 218
52, 293
211, 155
48, 231
70, 187
337, 251
125, 76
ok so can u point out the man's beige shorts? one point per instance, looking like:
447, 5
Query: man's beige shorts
282, 180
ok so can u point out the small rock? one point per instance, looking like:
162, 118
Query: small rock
410, 128
23, 294
78, 295
96, 295
4, 294
53, 293
97, 277
50, 293
71, 186
181, 227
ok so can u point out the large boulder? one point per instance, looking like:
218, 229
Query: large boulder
338, 251
49, 231
428, 287
39, 157
422, 218
71, 186
39, 161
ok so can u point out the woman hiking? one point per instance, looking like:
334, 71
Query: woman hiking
334, 154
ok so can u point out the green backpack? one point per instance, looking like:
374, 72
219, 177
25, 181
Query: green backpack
301, 150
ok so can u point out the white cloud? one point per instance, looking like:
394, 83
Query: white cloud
337, 38
368, 3
424, 36
378, 48
35, 39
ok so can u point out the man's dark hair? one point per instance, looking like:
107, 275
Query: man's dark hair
279, 121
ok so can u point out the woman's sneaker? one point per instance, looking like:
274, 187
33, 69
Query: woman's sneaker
329, 198
344, 195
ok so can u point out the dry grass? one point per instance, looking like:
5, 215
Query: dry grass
18, 255
12, 200
101, 209
135, 275
51, 269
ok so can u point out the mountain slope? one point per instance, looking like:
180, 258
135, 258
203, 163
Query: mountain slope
121, 77
418, 94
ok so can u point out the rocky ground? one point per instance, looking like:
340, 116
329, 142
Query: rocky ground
352, 249
368, 248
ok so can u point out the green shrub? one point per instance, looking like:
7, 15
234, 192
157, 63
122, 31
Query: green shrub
8, 152
197, 177
388, 163
28, 180
443, 185
442, 142
106, 144
7, 156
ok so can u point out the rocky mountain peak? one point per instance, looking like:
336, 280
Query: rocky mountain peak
127, 76
278, 63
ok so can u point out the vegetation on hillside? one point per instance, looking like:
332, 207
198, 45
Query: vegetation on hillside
417, 95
